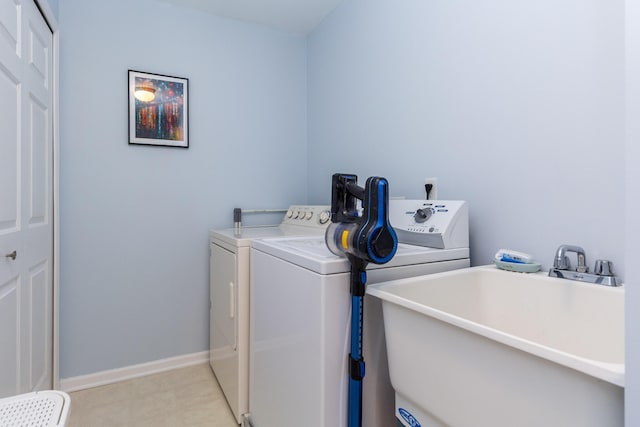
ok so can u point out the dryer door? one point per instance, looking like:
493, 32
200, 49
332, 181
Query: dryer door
224, 293
226, 349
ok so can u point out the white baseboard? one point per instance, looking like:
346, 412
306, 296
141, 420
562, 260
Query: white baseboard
134, 371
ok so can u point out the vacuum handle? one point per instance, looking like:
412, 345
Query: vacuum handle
381, 241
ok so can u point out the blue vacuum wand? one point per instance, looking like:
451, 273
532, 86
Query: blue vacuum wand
362, 236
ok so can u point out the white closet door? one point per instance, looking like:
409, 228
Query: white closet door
26, 231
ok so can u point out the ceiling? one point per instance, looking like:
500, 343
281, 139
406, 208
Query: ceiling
297, 16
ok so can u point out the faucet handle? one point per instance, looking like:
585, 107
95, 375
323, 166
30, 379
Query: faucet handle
603, 268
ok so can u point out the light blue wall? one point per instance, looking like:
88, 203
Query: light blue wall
516, 106
134, 219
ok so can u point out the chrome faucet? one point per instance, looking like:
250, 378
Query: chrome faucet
603, 272
561, 261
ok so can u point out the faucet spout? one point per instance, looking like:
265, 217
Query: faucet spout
561, 260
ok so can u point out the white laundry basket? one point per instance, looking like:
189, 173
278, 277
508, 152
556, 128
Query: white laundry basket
48, 408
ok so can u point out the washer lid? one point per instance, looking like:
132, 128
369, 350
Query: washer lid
247, 234
312, 253
243, 238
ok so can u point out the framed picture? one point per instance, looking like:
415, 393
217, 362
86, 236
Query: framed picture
158, 110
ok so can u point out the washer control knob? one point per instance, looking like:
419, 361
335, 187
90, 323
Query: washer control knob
289, 213
422, 215
324, 217
308, 216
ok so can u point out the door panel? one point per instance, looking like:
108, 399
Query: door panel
10, 149
39, 51
39, 148
39, 315
10, 26
9, 337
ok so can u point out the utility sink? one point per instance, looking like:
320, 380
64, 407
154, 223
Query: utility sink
486, 347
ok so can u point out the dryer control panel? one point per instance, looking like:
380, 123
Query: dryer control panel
317, 216
442, 224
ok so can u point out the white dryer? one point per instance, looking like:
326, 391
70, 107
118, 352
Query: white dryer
229, 296
300, 322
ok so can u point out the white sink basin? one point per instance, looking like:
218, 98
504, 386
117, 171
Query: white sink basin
486, 347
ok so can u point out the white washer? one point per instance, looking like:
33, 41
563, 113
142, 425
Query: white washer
229, 296
300, 330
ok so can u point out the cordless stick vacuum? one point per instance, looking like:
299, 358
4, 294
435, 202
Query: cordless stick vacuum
362, 237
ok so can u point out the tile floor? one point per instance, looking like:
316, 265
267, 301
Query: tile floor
188, 397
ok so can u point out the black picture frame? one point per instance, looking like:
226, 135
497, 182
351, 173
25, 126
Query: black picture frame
158, 109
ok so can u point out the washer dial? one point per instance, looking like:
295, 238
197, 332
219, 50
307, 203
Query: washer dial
422, 215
